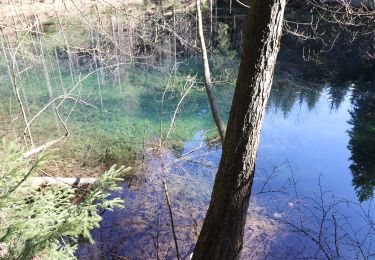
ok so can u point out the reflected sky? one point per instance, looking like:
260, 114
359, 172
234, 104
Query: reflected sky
313, 140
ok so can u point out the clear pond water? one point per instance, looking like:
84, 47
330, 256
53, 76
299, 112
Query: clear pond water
306, 187
315, 172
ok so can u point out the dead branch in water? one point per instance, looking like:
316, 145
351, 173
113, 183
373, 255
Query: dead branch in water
42, 147
48, 144
62, 98
190, 81
157, 240
13, 78
171, 217
17, 91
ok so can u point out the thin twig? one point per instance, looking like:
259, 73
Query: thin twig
191, 81
171, 217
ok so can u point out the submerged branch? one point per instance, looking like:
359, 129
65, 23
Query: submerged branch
171, 217
48, 144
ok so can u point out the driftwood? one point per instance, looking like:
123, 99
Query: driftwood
60, 181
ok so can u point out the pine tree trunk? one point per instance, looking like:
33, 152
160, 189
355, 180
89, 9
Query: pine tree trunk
221, 236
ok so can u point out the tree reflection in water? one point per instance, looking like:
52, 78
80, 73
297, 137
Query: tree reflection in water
362, 142
362, 134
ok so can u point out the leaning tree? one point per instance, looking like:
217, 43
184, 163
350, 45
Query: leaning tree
221, 236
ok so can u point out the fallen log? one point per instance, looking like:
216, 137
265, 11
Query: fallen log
60, 181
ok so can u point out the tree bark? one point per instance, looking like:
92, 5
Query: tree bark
221, 236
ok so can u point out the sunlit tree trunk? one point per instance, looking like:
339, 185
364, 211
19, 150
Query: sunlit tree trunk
221, 236
174, 40
207, 78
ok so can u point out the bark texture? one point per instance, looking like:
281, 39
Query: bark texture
221, 236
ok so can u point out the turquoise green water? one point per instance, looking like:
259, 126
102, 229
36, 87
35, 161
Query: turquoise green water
304, 168
313, 131
316, 152
122, 117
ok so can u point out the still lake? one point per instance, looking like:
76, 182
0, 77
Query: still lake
304, 189
315, 172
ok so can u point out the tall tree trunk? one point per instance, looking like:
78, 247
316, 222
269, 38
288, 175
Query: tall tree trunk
207, 77
221, 236
174, 40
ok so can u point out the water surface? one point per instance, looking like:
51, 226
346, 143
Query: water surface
315, 172
303, 170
